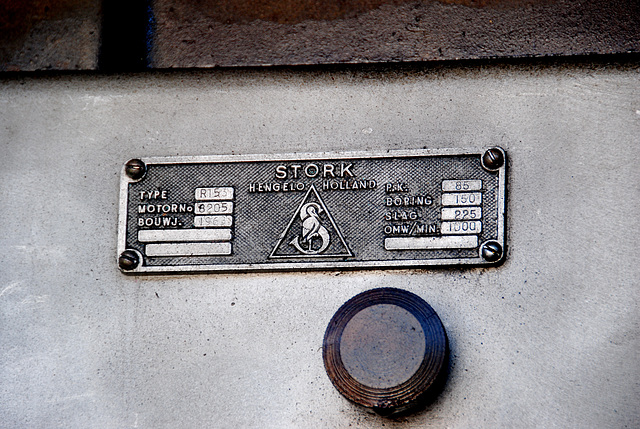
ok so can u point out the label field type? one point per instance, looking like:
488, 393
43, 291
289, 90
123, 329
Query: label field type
214, 194
431, 243
462, 199
461, 185
188, 249
461, 213
177, 235
212, 221
461, 227
209, 208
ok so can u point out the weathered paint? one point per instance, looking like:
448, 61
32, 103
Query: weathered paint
49, 34
549, 339
243, 33
120, 35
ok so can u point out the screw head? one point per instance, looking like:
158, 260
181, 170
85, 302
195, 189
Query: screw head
491, 251
128, 260
135, 169
493, 159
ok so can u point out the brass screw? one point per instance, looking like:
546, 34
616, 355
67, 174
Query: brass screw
491, 251
135, 169
128, 260
493, 159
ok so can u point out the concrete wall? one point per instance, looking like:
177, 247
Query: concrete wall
549, 339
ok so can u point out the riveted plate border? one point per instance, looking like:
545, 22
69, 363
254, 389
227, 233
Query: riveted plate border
313, 264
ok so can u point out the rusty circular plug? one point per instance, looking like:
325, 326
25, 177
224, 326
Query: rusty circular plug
386, 349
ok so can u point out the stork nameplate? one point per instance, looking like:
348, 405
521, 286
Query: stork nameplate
312, 211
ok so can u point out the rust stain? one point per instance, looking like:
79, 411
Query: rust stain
492, 3
296, 11
19, 17
230, 33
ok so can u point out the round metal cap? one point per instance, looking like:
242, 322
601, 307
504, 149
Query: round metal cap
386, 349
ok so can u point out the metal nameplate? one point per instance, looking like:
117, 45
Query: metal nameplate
312, 211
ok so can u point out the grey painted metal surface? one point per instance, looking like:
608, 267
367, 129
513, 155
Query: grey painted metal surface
549, 339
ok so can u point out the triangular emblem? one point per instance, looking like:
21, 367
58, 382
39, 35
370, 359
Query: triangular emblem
311, 232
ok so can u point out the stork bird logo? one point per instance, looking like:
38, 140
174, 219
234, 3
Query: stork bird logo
311, 232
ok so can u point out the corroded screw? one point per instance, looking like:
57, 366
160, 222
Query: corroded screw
491, 251
493, 159
135, 169
128, 260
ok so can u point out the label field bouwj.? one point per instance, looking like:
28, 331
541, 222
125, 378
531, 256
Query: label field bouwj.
312, 211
